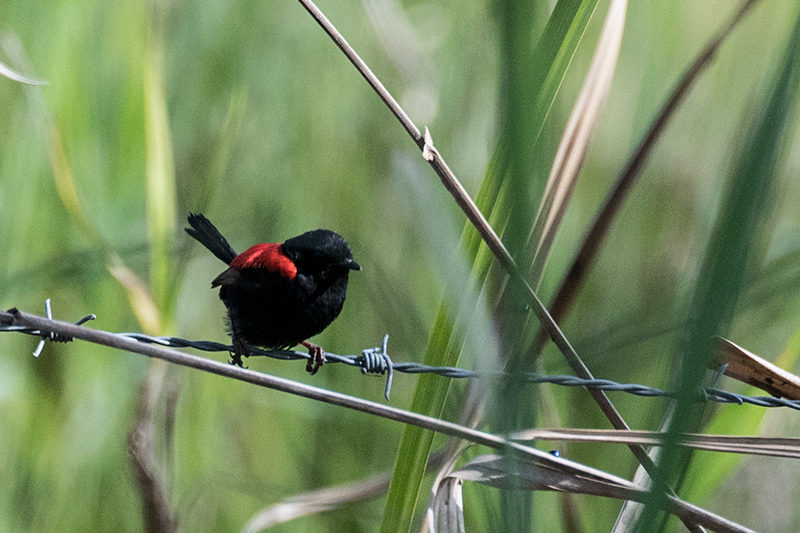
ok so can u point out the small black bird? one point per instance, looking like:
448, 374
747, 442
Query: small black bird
279, 295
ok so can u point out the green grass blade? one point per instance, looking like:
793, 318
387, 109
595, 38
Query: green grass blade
530, 82
735, 248
160, 173
525, 101
416, 443
549, 62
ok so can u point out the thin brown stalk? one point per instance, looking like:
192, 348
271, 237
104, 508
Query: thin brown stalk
766, 446
150, 476
15, 317
492, 470
327, 499
484, 229
592, 243
688, 512
575, 142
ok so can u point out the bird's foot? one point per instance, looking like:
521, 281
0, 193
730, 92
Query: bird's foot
317, 358
239, 349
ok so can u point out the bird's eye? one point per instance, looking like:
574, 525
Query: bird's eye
313, 261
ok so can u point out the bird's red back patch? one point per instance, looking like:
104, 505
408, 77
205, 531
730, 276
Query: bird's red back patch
267, 255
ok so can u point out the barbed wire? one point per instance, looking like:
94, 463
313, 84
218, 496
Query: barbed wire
376, 361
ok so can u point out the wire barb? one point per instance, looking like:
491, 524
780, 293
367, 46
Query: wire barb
49, 335
377, 361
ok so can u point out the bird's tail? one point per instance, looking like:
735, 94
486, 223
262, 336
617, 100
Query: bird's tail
209, 236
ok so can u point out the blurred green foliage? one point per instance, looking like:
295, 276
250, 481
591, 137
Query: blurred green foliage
273, 133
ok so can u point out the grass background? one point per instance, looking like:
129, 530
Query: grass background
270, 132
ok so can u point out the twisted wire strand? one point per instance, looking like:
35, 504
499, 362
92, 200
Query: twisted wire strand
376, 361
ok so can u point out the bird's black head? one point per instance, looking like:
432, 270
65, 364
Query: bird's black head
320, 251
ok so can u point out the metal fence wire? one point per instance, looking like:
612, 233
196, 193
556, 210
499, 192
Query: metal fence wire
376, 361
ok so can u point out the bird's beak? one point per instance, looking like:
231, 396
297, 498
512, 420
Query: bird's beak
352, 265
